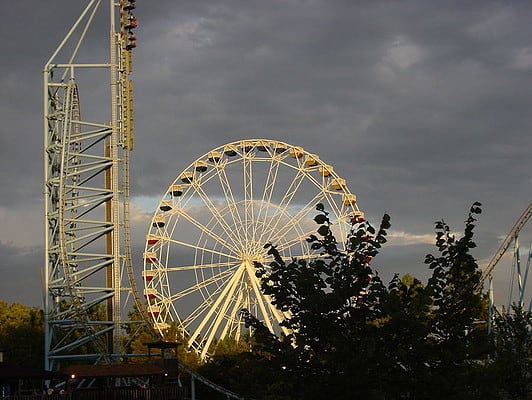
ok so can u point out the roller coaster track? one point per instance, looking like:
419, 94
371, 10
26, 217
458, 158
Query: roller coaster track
512, 235
200, 378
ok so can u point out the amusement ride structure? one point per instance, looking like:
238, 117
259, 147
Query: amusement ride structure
209, 228
208, 231
89, 278
518, 272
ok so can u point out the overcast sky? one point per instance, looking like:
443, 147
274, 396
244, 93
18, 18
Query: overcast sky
422, 106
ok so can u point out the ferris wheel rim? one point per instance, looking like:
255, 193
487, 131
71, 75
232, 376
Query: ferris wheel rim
241, 249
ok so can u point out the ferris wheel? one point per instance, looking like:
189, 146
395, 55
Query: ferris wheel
210, 228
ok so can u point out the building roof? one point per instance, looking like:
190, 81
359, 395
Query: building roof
113, 370
14, 371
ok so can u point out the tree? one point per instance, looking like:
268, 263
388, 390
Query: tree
22, 334
404, 327
455, 337
352, 337
512, 366
454, 284
331, 302
138, 334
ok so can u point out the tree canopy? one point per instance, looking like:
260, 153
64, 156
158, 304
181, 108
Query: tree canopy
22, 334
352, 336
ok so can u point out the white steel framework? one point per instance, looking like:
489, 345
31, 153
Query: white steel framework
86, 190
519, 274
212, 223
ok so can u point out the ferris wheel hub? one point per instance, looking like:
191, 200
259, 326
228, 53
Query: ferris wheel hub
252, 257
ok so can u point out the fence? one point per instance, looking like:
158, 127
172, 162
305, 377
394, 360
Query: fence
116, 393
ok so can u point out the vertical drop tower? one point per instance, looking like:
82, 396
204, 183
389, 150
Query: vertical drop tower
88, 277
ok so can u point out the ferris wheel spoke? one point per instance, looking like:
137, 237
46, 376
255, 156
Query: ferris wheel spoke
291, 191
231, 202
296, 219
255, 283
302, 235
208, 300
196, 266
259, 210
285, 201
196, 247
201, 308
217, 216
233, 320
207, 231
228, 287
222, 276
220, 315
288, 198
266, 201
247, 171
339, 211
294, 241
325, 189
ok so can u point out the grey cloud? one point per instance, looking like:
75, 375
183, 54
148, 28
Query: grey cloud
422, 106
20, 268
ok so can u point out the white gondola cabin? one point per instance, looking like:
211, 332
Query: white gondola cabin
214, 156
326, 170
158, 221
357, 216
152, 239
187, 177
312, 160
166, 205
246, 146
148, 275
176, 190
150, 293
161, 326
154, 310
349, 199
150, 257
296, 152
230, 150
338, 184
279, 147
200, 166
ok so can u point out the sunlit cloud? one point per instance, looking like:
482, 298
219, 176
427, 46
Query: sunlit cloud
400, 55
401, 238
493, 25
522, 59
141, 209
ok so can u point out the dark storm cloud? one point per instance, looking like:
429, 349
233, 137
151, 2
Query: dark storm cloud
20, 271
424, 107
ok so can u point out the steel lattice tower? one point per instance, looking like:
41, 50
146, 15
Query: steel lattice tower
88, 278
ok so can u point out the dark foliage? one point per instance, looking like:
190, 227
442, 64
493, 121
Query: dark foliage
350, 336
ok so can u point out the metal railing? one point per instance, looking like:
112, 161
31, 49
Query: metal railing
116, 393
